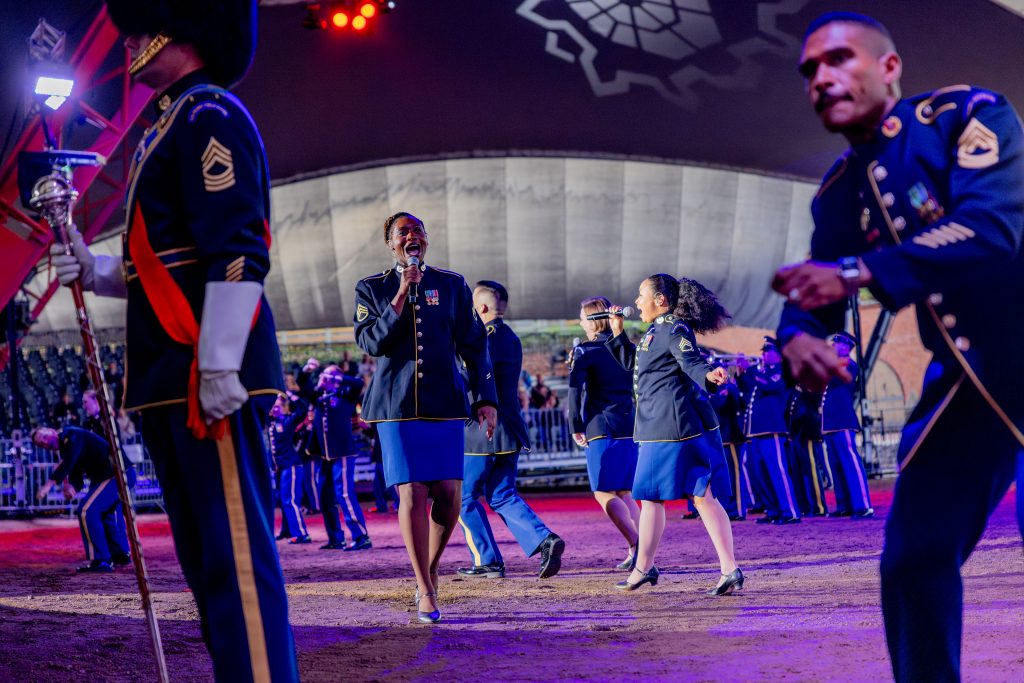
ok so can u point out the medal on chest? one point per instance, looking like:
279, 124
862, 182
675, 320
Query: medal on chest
432, 296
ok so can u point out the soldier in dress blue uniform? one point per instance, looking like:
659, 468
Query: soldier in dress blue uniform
680, 449
491, 464
602, 414
418, 321
333, 408
285, 416
927, 208
808, 459
725, 400
839, 426
84, 455
202, 357
766, 432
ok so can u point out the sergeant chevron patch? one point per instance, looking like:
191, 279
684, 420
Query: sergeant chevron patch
218, 167
361, 313
978, 146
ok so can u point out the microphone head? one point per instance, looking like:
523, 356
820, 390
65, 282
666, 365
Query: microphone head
575, 341
627, 311
414, 261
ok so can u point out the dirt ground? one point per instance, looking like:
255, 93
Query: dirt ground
809, 612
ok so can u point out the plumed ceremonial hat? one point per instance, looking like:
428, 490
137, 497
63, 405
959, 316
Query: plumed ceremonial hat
223, 31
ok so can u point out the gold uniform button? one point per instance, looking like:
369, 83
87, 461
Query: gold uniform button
420, 375
417, 307
419, 334
899, 222
888, 199
962, 343
935, 299
418, 321
419, 361
419, 348
949, 320
880, 173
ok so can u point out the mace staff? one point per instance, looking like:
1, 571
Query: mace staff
53, 196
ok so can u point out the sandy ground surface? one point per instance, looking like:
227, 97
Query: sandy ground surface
810, 610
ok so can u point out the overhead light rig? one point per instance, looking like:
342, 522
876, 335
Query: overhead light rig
346, 15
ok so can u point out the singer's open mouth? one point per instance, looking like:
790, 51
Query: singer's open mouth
412, 249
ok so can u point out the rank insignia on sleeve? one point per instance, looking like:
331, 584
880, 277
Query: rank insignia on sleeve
362, 313
218, 167
978, 146
685, 345
433, 297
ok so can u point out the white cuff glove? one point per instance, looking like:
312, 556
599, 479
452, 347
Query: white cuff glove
228, 309
101, 274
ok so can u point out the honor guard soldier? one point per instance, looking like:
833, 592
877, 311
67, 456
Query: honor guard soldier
726, 402
491, 464
84, 455
333, 411
201, 346
808, 458
284, 418
926, 207
766, 433
839, 427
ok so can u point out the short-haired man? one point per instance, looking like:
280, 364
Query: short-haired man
925, 208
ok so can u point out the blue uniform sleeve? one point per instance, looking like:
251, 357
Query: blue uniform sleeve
351, 388
71, 447
223, 189
471, 346
577, 382
984, 222
622, 350
376, 324
685, 350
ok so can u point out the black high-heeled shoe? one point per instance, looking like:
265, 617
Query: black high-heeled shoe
629, 564
651, 577
728, 583
428, 617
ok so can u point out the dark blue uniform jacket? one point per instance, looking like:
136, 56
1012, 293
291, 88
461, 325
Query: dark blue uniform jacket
332, 419
418, 370
934, 205
766, 402
837, 404
804, 415
510, 435
668, 381
600, 392
84, 455
200, 185
726, 402
282, 440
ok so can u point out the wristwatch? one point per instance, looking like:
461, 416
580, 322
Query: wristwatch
849, 271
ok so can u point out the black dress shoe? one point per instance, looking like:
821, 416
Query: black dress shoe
282, 536
362, 543
301, 540
331, 545
120, 559
728, 583
551, 555
486, 571
691, 515
786, 520
630, 562
765, 520
96, 566
863, 514
737, 518
650, 577
840, 513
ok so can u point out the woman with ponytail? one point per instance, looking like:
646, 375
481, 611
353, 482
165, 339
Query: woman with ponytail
681, 454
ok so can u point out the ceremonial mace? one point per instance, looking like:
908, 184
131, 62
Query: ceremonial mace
53, 196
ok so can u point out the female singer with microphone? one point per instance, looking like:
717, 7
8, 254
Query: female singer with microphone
601, 412
681, 453
418, 321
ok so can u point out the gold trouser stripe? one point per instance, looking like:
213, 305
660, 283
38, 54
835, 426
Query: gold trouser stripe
314, 485
477, 560
814, 478
244, 573
736, 468
346, 462
785, 477
295, 506
90, 549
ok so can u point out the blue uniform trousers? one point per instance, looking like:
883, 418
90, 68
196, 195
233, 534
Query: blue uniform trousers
290, 492
381, 490
493, 477
851, 484
101, 522
338, 500
968, 456
311, 485
220, 505
767, 458
808, 456
736, 504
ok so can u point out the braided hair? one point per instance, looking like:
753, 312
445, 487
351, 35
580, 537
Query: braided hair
392, 219
691, 302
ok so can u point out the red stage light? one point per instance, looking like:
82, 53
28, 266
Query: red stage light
359, 23
368, 10
340, 19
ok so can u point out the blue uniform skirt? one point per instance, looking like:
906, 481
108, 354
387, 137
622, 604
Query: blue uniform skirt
670, 470
421, 450
611, 464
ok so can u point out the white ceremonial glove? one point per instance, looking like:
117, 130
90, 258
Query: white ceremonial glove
223, 335
101, 274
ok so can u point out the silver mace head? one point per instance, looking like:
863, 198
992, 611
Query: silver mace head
53, 196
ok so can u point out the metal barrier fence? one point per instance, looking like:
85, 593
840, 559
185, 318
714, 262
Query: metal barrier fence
24, 468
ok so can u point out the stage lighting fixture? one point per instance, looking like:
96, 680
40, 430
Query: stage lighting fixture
368, 10
359, 22
386, 6
55, 90
339, 18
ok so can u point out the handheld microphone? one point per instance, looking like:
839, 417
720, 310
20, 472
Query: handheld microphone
414, 262
614, 311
